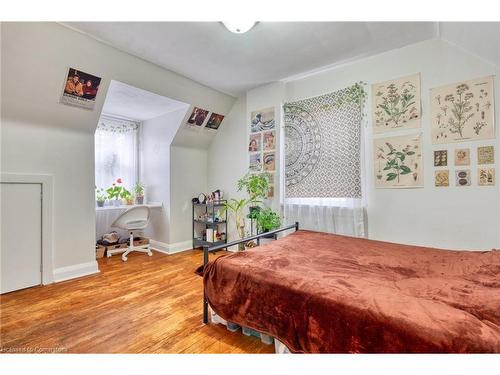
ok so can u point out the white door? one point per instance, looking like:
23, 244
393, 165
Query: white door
21, 242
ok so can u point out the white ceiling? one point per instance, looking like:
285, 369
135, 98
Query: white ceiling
127, 101
480, 38
233, 63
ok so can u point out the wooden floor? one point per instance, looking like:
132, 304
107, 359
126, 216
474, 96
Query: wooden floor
146, 305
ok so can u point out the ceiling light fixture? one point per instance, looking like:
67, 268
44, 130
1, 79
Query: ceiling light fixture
239, 27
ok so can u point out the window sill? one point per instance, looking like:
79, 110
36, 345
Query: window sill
125, 207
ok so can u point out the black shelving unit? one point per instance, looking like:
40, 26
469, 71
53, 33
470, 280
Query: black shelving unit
210, 212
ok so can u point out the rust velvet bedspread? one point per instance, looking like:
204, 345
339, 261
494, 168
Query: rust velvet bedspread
323, 293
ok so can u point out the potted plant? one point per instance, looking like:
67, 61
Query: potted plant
100, 196
114, 192
255, 184
267, 220
236, 206
127, 196
139, 193
257, 187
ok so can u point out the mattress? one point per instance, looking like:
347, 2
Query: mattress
324, 293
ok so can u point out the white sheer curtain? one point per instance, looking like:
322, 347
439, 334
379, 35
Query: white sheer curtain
344, 216
116, 154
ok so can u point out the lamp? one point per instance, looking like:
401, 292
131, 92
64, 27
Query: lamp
239, 27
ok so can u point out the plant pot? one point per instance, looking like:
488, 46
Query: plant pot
139, 200
116, 202
253, 209
129, 202
241, 246
100, 203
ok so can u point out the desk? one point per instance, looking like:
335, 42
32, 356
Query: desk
104, 217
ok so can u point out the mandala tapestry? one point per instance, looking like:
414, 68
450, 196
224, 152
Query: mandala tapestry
322, 147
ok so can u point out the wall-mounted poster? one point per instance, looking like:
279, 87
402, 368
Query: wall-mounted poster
398, 162
462, 156
396, 104
486, 155
197, 117
269, 140
440, 158
486, 176
463, 177
262, 120
214, 121
255, 142
463, 111
270, 192
442, 178
255, 162
80, 89
269, 161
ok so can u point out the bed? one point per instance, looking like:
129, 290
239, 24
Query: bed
324, 293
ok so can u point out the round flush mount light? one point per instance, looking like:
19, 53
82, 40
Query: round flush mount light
239, 27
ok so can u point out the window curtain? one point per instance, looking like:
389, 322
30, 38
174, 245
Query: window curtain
323, 168
116, 152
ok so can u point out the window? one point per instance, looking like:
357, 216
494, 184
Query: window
322, 171
116, 152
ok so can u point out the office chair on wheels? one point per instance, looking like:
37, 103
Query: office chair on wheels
133, 220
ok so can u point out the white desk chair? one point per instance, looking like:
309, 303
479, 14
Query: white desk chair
133, 220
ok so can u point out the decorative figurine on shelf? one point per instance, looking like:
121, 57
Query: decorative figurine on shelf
202, 198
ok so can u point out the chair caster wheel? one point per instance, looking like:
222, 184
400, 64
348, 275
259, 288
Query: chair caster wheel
124, 259
150, 254
108, 255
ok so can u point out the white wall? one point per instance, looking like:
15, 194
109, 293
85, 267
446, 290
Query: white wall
227, 156
40, 135
457, 218
188, 176
156, 136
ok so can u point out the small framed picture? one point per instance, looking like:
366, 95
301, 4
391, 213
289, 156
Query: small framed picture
214, 121
441, 158
269, 140
270, 192
80, 89
197, 117
269, 161
255, 143
462, 177
442, 178
486, 155
486, 176
462, 156
255, 162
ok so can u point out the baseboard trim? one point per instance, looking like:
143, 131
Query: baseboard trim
170, 249
74, 271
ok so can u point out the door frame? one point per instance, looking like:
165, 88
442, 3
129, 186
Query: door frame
47, 183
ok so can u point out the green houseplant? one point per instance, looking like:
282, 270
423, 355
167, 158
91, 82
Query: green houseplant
115, 192
267, 220
139, 193
236, 207
100, 196
257, 187
127, 196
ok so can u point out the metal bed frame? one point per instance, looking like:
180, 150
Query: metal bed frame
207, 249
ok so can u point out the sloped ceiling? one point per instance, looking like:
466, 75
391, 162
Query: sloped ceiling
127, 101
234, 63
479, 38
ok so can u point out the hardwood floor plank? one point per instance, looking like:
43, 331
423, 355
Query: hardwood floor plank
144, 305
